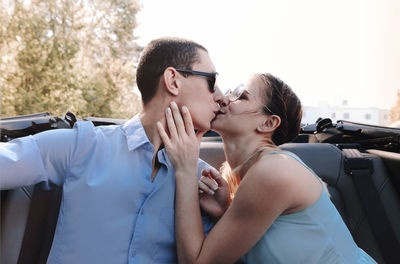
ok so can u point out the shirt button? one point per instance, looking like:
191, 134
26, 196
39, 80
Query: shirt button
133, 253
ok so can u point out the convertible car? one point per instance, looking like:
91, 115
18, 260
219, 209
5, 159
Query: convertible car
359, 164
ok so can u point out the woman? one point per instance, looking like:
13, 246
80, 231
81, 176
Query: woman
280, 212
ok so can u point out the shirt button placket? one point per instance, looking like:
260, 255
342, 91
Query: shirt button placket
133, 250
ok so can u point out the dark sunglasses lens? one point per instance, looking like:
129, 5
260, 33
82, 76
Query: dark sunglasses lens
211, 84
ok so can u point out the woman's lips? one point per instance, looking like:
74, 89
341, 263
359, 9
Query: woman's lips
219, 112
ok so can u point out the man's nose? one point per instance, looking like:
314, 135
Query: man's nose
220, 98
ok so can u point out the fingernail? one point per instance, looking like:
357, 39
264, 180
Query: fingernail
169, 110
158, 124
184, 109
173, 103
215, 187
201, 191
211, 192
215, 170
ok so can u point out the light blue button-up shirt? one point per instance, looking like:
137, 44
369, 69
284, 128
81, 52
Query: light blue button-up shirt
110, 211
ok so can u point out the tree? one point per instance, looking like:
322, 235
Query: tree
60, 55
394, 112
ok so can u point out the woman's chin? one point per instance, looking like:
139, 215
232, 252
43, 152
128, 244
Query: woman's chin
216, 125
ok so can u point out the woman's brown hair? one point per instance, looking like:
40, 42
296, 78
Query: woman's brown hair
280, 100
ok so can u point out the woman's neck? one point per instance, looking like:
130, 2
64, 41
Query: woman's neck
239, 149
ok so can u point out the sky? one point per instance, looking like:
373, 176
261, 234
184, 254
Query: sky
327, 51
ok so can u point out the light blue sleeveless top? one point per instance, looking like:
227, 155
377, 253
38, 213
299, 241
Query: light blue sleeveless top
316, 234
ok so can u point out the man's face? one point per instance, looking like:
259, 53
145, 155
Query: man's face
195, 94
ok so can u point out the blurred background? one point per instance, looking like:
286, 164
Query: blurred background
342, 58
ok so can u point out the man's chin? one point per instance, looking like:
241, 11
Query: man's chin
202, 127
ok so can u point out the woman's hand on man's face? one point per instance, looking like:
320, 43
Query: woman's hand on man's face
181, 141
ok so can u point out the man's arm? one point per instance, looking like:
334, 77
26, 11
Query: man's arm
32, 159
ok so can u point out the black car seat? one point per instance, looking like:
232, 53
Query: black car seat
28, 221
329, 166
14, 216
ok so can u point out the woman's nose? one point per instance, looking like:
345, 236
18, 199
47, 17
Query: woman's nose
220, 98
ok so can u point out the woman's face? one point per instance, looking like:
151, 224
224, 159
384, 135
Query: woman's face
243, 114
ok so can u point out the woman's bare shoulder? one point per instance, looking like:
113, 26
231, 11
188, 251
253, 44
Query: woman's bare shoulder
269, 183
274, 167
284, 173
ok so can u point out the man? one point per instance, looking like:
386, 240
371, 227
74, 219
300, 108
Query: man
118, 183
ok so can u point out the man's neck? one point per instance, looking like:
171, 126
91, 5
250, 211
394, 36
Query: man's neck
149, 118
149, 122
152, 113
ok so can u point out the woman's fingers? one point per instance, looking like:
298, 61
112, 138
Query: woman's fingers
209, 182
180, 127
163, 134
187, 121
205, 172
205, 188
180, 123
214, 174
171, 124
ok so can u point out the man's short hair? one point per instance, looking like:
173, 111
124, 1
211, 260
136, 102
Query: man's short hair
160, 54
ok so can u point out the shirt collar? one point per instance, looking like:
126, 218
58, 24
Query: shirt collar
136, 137
163, 158
135, 134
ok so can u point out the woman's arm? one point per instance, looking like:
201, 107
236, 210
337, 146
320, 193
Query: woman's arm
183, 147
258, 201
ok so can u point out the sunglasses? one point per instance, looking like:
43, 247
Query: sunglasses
235, 94
238, 92
211, 77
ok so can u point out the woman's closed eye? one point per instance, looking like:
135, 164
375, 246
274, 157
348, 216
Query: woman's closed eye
243, 96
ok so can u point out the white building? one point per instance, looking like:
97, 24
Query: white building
371, 116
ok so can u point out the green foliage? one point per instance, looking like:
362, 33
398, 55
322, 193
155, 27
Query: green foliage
66, 55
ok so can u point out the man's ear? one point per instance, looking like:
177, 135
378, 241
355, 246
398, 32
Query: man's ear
270, 124
171, 81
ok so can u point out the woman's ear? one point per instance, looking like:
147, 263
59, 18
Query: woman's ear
171, 81
270, 124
